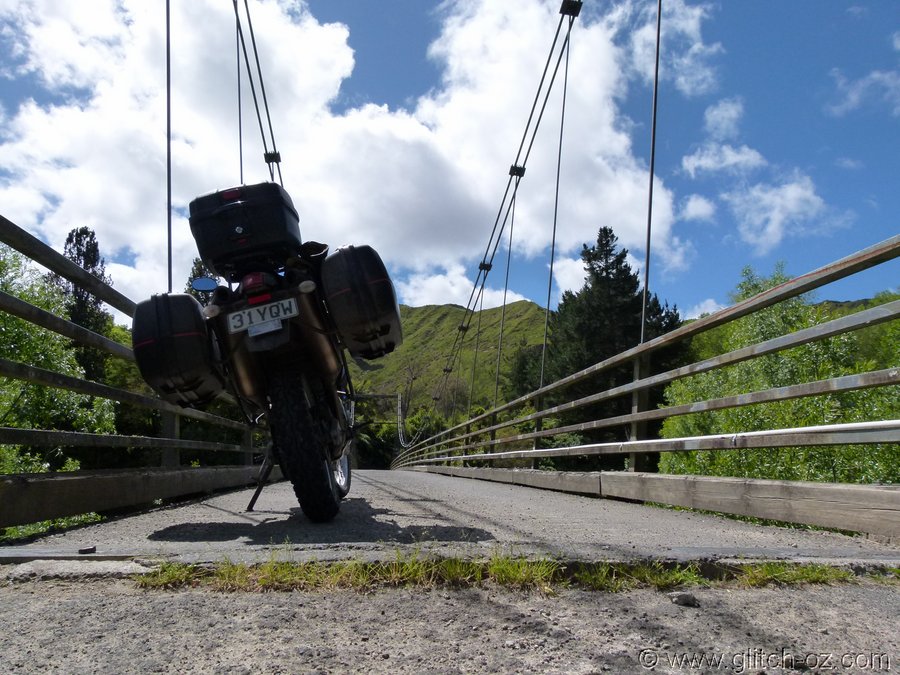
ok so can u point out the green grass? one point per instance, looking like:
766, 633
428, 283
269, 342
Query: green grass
516, 573
20, 533
173, 575
782, 573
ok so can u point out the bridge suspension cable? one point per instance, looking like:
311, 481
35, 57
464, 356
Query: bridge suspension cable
271, 157
562, 126
569, 9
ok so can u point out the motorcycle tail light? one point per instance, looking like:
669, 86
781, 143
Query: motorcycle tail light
254, 282
230, 195
257, 299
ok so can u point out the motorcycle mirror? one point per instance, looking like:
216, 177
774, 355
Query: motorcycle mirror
204, 284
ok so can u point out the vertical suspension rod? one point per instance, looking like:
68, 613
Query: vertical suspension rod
562, 125
169, 143
652, 173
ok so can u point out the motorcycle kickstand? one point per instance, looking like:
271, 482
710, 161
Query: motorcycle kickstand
264, 471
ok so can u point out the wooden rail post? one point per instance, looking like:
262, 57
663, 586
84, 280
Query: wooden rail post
641, 461
538, 427
171, 428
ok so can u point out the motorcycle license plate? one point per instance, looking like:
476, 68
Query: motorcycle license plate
262, 318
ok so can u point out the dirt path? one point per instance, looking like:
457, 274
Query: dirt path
110, 626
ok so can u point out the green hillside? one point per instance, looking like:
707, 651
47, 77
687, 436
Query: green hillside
428, 336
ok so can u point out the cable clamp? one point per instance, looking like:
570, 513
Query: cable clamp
485, 266
272, 157
516, 171
570, 8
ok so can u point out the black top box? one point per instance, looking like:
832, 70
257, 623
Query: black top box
238, 228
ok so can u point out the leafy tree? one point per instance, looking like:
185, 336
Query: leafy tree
604, 318
598, 321
28, 406
833, 357
199, 270
82, 307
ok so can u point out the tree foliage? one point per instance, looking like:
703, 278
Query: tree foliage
840, 355
199, 270
28, 406
599, 321
83, 307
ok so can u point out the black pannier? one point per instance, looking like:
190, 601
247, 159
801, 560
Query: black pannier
361, 300
242, 225
174, 350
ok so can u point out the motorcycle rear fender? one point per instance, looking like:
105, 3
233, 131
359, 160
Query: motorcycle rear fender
304, 338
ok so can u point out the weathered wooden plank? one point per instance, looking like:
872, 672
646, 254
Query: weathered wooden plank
44, 319
30, 498
49, 378
29, 245
886, 431
43, 438
878, 378
859, 508
578, 482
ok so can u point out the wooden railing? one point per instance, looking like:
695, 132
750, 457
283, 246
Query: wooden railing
487, 438
28, 498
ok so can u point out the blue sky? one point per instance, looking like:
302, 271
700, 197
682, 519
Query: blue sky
777, 134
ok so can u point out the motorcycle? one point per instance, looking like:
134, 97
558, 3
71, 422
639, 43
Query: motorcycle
275, 336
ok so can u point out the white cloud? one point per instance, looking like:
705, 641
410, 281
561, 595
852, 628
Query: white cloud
878, 85
569, 275
697, 207
421, 185
895, 40
686, 59
722, 119
708, 306
766, 214
451, 286
849, 163
713, 157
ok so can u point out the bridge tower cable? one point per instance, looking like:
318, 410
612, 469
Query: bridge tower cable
475, 353
652, 172
571, 9
273, 157
240, 111
562, 126
169, 142
512, 223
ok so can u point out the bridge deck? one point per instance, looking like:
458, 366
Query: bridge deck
391, 511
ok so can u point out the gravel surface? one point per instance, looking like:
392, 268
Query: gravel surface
57, 615
112, 627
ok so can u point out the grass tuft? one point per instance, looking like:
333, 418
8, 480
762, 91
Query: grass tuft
172, 575
662, 578
602, 577
542, 575
522, 573
782, 573
229, 576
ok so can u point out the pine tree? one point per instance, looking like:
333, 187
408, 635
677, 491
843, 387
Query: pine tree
83, 308
199, 270
599, 321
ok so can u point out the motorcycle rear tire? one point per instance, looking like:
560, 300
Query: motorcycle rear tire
300, 419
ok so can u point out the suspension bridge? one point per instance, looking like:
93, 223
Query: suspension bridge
500, 444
